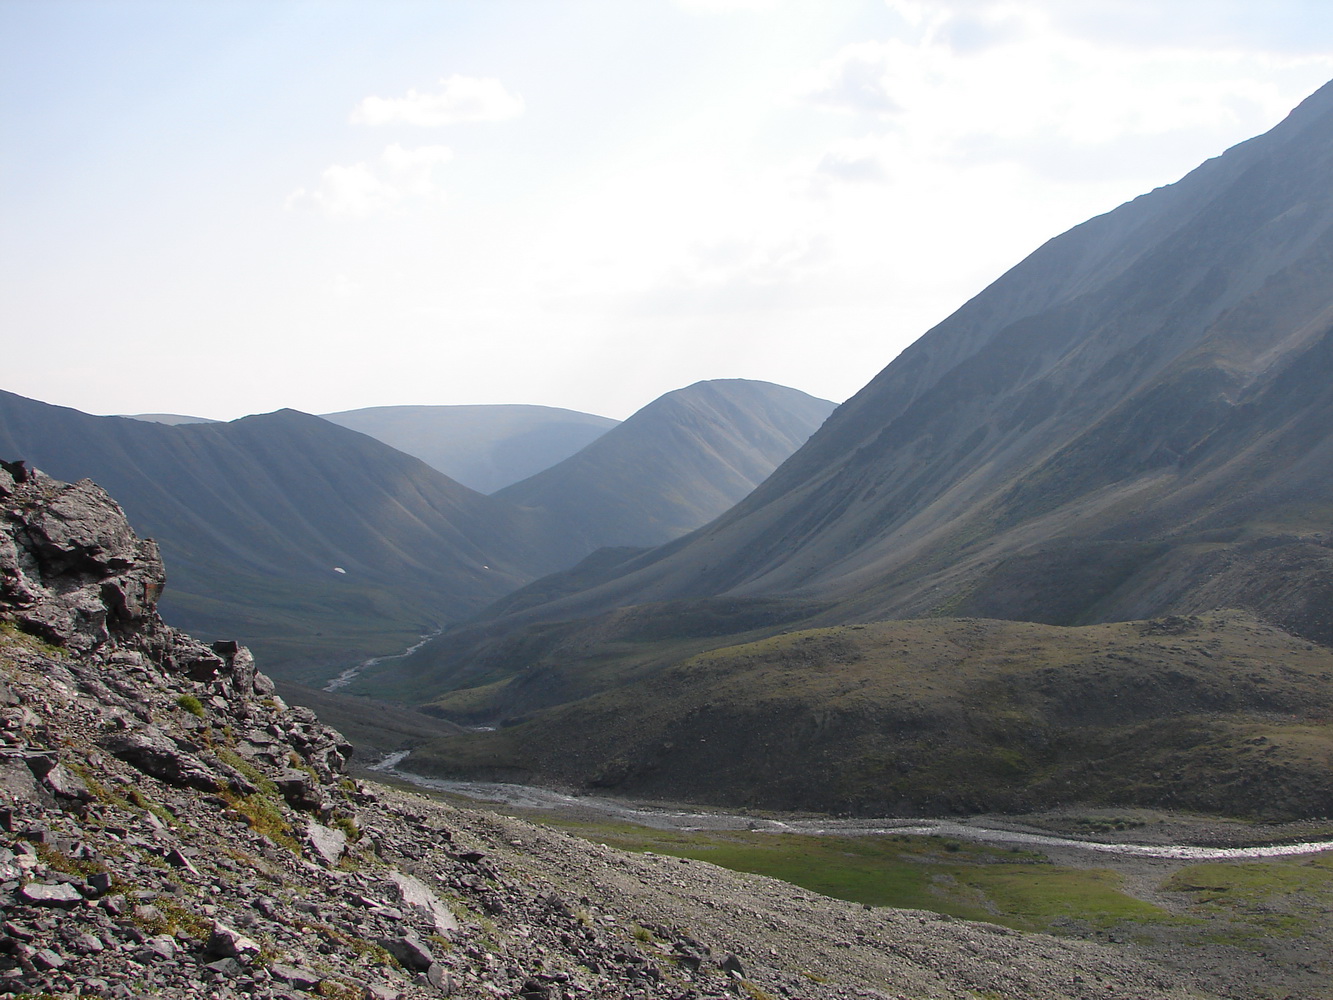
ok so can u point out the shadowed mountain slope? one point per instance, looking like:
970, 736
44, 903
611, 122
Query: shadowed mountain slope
1136, 420
1133, 420
482, 447
310, 541
675, 464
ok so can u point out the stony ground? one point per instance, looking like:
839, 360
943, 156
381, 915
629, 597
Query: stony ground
119, 883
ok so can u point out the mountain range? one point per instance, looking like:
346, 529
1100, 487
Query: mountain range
323, 546
1135, 422
679, 462
309, 539
484, 447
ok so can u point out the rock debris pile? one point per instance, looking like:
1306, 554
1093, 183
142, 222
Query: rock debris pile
169, 827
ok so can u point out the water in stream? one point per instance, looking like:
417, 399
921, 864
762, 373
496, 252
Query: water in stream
351, 673
532, 797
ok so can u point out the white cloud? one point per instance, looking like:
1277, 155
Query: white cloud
461, 99
854, 162
985, 80
360, 190
857, 79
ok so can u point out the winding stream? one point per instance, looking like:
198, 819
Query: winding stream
531, 797
351, 673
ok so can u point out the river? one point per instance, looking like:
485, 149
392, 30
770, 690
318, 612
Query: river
351, 673
532, 797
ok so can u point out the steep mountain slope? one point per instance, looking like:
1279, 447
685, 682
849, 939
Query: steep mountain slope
675, 464
483, 447
317, 544
1134, 421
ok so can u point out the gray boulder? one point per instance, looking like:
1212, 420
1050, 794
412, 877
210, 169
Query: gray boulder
156, 755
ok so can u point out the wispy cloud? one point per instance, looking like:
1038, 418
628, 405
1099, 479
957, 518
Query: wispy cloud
853, 162
857, 79
460, 99
359, 190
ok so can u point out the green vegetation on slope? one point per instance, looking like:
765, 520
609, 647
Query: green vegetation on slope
1217, 713
1008, 886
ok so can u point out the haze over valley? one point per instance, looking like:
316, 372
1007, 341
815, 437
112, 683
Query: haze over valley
1009, 675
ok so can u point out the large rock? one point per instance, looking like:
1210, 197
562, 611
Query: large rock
414, 892
60, 894
71, 565
410, 950
154, 754
231, 943
326, 843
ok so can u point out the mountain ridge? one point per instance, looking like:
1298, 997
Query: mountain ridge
260, 515
485, 446
675, 464
324, 546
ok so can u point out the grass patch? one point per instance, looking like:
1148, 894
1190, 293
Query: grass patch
174, 917
263, 809
264, 816
1278, 897
348, 826
12, 633
138, 799
339, 991
59, 861
192, 705
1016, 888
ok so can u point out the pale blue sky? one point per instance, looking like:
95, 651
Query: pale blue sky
221, 208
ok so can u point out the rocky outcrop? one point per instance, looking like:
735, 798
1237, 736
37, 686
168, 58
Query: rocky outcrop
71, 569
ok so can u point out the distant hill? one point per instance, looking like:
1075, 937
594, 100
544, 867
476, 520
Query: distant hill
482, 447
311, 542
674, 465
171, 419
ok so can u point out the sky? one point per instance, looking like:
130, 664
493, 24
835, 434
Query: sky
220, 208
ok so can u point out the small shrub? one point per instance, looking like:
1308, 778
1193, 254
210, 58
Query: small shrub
174, 918
348, 826
191, 704
62, 862
264, 816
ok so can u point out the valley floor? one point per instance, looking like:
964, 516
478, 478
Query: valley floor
1225, 926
